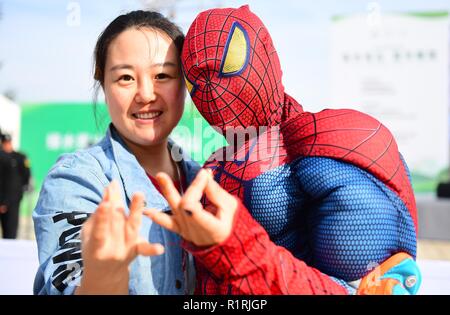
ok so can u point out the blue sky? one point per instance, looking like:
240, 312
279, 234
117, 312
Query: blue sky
46, 59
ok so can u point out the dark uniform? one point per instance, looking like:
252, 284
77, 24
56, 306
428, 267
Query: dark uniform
5, 175
14, 183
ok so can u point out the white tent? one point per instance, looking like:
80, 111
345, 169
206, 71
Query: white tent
10, 119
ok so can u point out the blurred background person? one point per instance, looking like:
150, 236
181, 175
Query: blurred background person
14, 184
5, 174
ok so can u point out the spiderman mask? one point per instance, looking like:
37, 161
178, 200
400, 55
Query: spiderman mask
232, 70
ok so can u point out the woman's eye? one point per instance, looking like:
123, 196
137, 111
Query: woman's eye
161, 76
126, 78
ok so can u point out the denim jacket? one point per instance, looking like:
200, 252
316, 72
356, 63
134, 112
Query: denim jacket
72, 191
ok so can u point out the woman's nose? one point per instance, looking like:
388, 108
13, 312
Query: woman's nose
146, 92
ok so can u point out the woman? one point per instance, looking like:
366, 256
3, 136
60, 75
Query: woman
137, 66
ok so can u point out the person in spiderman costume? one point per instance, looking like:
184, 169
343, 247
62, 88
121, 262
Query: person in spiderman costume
330, 188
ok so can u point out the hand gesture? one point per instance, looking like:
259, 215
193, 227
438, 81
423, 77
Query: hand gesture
203, 227
111, 241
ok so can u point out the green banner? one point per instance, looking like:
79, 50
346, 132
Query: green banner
49, 130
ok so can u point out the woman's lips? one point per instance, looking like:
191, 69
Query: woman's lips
147, 115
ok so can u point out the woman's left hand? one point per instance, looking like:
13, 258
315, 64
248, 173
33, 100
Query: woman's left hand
110, 242
189, 219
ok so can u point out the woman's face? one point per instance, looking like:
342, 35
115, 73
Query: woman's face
143, 85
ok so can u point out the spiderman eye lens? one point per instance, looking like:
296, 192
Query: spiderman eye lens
235, 57
191, 87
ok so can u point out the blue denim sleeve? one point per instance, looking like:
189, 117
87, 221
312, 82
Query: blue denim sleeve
70, 193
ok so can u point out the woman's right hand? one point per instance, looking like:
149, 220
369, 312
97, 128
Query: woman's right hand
110, 242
